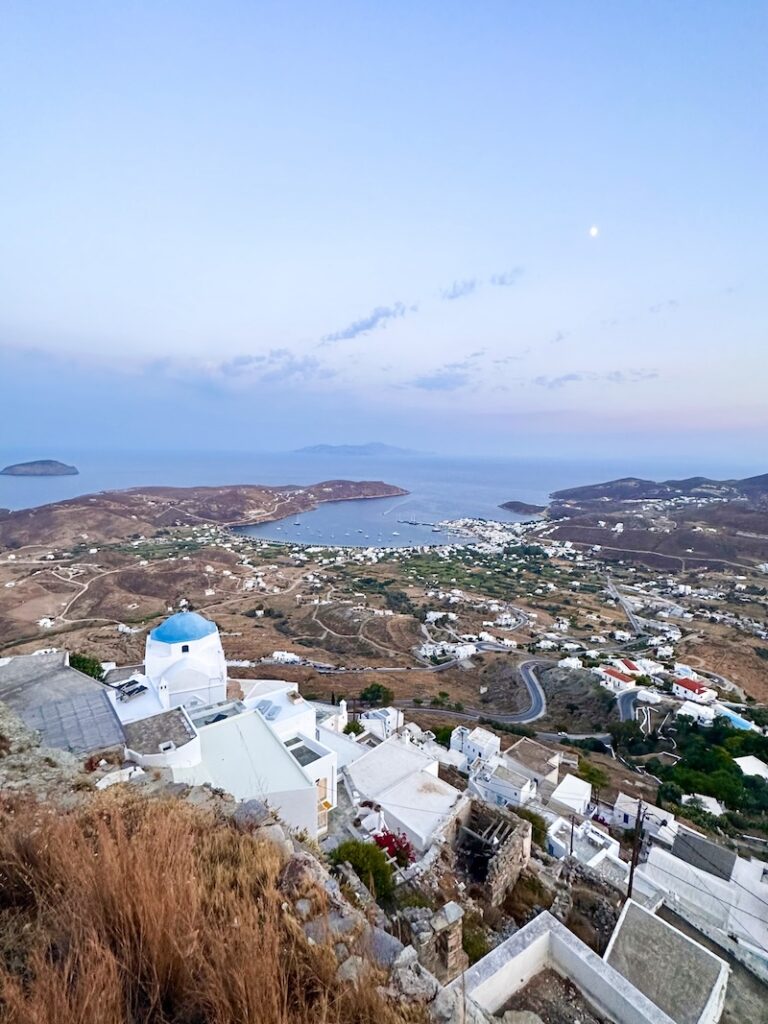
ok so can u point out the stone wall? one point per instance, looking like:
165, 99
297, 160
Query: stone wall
493, 848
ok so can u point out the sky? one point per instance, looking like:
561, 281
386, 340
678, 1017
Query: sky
269, 224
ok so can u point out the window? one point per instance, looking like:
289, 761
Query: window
626, 819
185, 648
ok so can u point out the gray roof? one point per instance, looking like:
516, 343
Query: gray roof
673, 971
147, 735
701, 853
69, 709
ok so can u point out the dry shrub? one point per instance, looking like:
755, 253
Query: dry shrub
140, 911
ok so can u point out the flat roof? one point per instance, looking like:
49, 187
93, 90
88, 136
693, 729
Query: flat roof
244, 757
70, 710
147, 736
421, 802
702, 854
387, 764
673, 971
532, 755
81, 724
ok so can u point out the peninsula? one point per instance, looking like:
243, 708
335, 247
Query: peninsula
144, 511
523, 508
40, 467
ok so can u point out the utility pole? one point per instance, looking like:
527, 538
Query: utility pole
636, 843
570, 852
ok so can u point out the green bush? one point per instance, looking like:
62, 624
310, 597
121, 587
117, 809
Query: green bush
353, 728
370, 864
539, 825
87, 665
376, 693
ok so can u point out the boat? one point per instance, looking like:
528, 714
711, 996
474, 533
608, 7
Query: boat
395, 533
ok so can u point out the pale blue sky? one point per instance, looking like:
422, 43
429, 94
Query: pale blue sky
292, 222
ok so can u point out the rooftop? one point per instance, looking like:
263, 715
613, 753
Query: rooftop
183, 627
701, 853
692, 685
752, 765
532, 755
70, 710
387, 764
149, 735
677, 974
242, 756
539, 947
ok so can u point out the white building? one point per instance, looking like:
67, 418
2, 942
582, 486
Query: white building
544, 944
184, 661
693, 690
678, 974
498, 783
657, 823
722, 895
751, 765
399, 783
612, 679
286, 658
703, 714
263, 747
582, 840
382, 722
573, 794
474, 744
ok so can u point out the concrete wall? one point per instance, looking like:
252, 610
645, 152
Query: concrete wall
542, 943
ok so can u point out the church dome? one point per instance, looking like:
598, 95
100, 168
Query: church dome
183, 627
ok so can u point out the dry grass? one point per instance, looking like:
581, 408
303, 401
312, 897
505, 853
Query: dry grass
151, 911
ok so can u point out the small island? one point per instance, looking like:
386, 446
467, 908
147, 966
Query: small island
522, 508
40, 467
372, 448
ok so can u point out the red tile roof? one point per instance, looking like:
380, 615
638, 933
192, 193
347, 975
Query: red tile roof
621, 676
631, 666
691, 684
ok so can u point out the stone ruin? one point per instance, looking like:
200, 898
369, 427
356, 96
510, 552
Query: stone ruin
491, 849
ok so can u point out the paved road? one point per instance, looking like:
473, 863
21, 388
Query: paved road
536, 710
626, 704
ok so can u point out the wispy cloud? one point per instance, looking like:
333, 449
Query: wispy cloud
508, 278
441, 380
632, 376
278, 365
460, 289
379, 317
558, 337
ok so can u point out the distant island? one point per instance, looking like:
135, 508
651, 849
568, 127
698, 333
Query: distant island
40, 467
522, 508
372, 448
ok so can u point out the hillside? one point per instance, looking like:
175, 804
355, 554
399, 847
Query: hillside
115, 515
632, 488
152, 907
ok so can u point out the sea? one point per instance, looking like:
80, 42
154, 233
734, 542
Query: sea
440, 487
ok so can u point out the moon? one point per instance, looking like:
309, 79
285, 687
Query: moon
594, 231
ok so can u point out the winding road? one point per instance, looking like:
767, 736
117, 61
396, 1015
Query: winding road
537, 709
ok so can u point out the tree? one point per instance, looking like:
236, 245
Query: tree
353, 728
593, 774
370, 864
87, 665
377, 693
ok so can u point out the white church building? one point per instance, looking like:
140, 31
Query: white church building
176, 715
